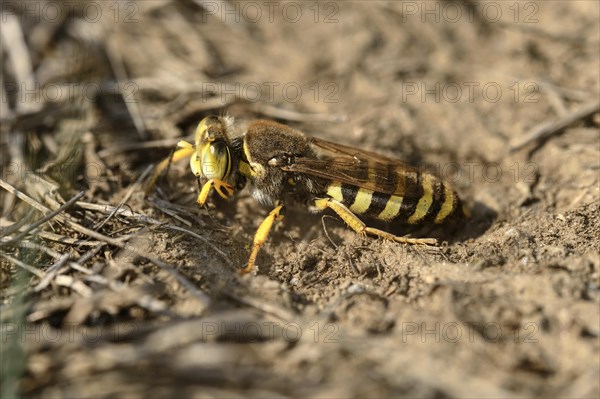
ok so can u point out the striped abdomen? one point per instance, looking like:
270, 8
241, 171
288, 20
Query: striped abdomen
426, 199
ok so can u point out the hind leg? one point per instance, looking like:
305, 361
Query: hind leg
361, 228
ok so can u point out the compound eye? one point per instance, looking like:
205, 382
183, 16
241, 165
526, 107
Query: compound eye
216, 160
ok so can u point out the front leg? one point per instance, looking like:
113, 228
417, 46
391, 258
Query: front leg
261, 235
225, 190
185, 150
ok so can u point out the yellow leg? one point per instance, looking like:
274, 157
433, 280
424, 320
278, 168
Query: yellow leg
223, 189
361, 228
185, 150
261, 236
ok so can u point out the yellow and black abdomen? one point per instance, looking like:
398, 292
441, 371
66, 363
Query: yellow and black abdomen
420, 198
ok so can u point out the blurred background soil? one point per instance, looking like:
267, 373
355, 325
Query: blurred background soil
117, 295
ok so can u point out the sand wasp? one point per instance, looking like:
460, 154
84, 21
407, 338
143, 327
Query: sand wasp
284, 166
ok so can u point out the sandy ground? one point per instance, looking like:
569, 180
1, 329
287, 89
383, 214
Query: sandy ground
147, 302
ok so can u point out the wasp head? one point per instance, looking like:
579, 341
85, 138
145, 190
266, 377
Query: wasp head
212, 159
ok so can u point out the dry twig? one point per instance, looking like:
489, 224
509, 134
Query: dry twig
542, 132
43, 220
118, 242
22, 265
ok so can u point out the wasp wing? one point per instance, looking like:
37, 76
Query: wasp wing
359, 168
336, 150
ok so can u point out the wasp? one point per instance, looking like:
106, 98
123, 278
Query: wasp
283, 166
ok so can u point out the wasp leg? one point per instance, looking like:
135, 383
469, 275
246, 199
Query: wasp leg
185, 150
361, 228
261, 236
223, 189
